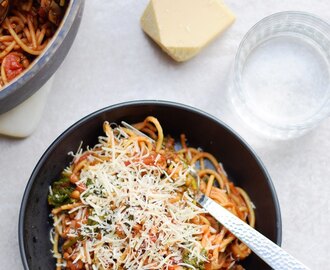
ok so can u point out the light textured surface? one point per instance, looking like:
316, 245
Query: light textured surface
113, 61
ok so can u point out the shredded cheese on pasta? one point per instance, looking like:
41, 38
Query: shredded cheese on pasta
126, 195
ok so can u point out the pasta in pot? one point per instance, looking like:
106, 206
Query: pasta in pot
26, 31
127, 203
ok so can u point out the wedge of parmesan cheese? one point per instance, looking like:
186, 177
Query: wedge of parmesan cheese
182, 28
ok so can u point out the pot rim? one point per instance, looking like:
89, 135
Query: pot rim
15, 87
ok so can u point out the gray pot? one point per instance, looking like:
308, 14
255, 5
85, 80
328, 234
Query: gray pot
44, 66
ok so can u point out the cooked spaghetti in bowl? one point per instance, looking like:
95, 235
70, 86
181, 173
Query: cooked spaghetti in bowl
127, 203
141, 205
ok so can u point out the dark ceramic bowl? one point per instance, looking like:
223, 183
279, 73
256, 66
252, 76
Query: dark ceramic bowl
45, 65
202, 130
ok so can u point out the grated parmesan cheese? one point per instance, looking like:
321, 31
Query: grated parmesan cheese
131, 222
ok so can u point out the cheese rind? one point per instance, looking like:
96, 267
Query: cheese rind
183, 27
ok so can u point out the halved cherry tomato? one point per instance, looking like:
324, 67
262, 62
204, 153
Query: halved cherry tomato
14, 64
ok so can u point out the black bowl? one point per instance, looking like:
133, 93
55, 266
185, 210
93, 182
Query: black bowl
202, 130
45, 65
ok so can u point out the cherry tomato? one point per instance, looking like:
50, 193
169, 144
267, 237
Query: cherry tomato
14, 64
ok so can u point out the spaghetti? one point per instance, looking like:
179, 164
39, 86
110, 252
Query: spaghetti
26, 31
127, 203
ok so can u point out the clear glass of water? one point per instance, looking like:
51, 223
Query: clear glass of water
281, 82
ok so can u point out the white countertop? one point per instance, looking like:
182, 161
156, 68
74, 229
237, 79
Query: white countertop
113, 61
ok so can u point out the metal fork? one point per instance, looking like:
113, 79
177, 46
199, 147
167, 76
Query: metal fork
268, 251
